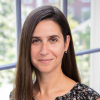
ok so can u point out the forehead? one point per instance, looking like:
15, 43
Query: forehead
47, 27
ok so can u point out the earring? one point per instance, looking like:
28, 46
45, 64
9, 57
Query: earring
65, 51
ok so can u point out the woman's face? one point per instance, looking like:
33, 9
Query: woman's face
48, 46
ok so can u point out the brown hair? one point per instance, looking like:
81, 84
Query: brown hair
23, 82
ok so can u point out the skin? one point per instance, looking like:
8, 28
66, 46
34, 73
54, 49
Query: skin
47, 50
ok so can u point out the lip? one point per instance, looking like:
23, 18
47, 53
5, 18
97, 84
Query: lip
45, 61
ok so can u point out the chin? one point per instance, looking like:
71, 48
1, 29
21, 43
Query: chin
45, 69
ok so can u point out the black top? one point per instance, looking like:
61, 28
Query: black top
78, 92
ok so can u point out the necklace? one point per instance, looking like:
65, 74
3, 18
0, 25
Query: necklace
54, 92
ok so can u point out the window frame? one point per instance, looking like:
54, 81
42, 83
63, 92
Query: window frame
27, 2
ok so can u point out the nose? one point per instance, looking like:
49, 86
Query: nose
44, 49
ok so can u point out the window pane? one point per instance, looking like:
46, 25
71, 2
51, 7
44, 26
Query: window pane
6, 83
83, 63
89, 68
79, 20
7, 32
85, 1
28, 5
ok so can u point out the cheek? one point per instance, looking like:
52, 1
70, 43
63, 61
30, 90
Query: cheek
33, 52
58, 50
34, 55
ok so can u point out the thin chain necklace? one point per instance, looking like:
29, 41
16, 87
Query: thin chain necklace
54, 92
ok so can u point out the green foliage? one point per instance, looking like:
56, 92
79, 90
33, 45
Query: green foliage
7, 31
82, 39
7, 38
82, 42
70, 1
72, 22
7, 75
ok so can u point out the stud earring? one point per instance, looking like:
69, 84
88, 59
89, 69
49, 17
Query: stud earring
65, 51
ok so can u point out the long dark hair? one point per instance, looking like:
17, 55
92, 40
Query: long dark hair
23, 82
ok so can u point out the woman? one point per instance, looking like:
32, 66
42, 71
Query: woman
46, 51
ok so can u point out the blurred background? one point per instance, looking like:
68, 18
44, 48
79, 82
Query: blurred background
83, 17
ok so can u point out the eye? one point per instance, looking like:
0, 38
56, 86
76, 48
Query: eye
53, 40
35, 41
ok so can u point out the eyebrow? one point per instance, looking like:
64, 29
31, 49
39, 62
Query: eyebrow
48, 36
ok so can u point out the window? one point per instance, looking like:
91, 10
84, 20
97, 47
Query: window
85, 32
53, 1
27, 1
85, 1
85, 13
8, 47
6, 83
26, 9
81, 37
83, 63
71, 11
70, 1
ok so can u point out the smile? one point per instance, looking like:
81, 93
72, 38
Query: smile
46, 61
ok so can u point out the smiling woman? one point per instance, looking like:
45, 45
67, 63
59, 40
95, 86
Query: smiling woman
49, 46
46, 48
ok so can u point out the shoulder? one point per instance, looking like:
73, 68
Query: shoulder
83, 91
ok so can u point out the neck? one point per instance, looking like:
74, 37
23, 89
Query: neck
50, 82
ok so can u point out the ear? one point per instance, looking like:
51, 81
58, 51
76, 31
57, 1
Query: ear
67, 42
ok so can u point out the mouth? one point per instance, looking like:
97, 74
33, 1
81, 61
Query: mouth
45, 61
